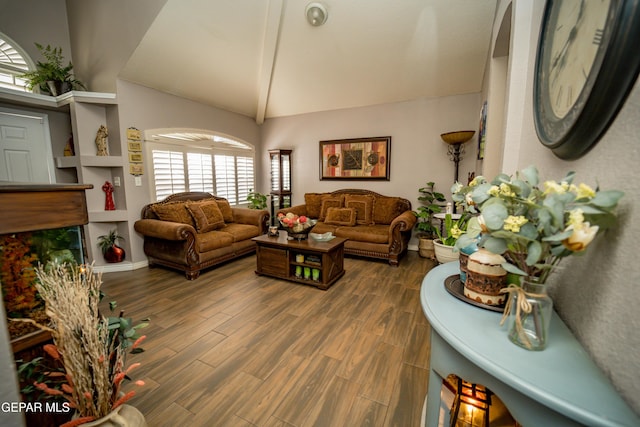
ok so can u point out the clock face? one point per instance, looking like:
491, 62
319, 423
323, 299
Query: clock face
586, 65
575, 31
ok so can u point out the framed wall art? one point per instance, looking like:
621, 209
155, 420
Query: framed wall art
355, 159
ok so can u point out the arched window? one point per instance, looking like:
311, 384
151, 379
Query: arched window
13, 62
194, 160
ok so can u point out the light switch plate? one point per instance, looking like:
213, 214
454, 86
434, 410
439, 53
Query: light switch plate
138, 180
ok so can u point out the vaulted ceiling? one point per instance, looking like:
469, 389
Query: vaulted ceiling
261, 58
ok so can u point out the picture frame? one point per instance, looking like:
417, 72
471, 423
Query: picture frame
135, 157
356, 159
135, 146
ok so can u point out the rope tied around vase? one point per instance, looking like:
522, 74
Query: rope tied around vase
522, 306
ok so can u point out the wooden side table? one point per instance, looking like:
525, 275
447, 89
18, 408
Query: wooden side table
296, 261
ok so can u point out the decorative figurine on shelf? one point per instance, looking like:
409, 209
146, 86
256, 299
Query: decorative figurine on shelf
108, 189
101, 141
69, 150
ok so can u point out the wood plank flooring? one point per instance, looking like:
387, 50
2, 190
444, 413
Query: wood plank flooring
236, 349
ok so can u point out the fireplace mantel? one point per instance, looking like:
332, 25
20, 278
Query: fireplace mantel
560, 386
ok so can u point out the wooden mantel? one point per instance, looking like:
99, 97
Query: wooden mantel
31, 207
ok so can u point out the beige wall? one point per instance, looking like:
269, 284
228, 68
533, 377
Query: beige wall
597, 295
46, 24
145, 108
418, 154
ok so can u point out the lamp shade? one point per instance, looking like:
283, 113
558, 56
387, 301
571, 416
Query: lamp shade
457, 137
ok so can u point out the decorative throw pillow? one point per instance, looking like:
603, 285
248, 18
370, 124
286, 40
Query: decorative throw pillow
363, 204
174, 212
330, 202
225, 208
206, 215
341, 216
313, 202
386, 209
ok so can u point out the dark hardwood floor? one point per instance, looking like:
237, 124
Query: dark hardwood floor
236, 349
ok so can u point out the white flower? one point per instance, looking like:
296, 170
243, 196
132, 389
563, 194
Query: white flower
583, 234
456, 187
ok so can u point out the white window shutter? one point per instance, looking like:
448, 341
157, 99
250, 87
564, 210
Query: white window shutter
168, 171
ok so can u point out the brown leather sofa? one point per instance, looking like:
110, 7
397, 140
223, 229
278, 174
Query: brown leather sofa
192, 231
376, 226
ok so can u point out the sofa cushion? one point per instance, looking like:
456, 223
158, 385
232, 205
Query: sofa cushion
363, 204
211, 240
313, 202
321, 228
206, 215
225, 208
341, 216
240, 231
329, 201
386, 209
365, 233
174, 212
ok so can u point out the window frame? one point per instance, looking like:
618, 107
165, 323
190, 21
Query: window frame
201, 147
15, 71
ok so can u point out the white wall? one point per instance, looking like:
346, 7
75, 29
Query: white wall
418, 154
597, 295
145, 108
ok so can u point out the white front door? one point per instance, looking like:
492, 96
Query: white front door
25, 147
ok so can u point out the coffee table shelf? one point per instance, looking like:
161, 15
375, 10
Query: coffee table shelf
277, 257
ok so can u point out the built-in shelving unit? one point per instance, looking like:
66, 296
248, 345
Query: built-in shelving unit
87, 112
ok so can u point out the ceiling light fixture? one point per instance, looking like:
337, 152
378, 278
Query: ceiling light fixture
316, 14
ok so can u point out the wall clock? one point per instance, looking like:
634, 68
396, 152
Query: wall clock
587, 62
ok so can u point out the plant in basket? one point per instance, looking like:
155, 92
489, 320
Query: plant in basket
297, 226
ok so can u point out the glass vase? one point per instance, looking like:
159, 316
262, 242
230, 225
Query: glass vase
529, 320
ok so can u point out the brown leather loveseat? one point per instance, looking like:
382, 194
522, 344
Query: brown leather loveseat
376, 226
192, 231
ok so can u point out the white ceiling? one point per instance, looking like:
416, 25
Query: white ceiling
261, 58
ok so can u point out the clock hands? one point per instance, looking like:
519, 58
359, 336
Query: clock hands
560, 59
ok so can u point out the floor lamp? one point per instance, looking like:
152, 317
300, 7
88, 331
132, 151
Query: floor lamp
455, 149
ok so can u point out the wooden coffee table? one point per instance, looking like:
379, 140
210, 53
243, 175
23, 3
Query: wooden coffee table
310, 262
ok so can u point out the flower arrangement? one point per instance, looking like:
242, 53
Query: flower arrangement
534, 225
295, 223
455, 228
86, 346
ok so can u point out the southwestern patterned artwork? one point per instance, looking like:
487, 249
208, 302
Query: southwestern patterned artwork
356, 159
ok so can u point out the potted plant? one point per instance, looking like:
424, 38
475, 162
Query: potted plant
89, 350
431, 201
445, 243
256, 200
108, 245
534, 224
52, 76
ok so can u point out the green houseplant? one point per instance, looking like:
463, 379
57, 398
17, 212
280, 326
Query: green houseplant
108, 245
431, 204
52, 76
256, 200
